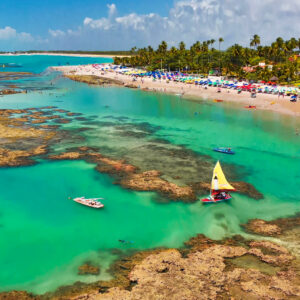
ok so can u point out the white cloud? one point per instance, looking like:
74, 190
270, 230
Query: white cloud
56, 33
7, 33
112, 10
187, 20
11, 39
191, 20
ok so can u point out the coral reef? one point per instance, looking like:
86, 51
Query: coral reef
95, 80
128, 175
151, 181
88, 269
205, 267
272, 228
9, 92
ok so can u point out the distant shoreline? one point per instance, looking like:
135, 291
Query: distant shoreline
64, 54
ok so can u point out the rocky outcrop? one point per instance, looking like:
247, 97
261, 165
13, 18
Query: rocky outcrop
18, 295
270, 253
131, 85
169, 275
129, 176
88, 269
14, 158
151, 181
63, 121
262, 227
271, 228
66, 156
94, 80
202, 268
49, 126
20, 140
9, 92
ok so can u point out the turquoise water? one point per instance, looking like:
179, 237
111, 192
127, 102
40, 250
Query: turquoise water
44, 236
38, 65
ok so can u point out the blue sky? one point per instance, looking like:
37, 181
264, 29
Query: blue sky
120, 24
36, 16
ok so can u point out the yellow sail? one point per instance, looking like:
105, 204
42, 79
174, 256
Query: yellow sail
219, 181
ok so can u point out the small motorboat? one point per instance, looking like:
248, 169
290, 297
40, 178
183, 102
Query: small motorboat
218, 100
91, 202
224, 150
220, 187
251, 107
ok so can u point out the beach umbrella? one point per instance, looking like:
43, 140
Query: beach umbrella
274, 78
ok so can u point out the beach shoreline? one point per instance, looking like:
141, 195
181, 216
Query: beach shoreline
263, 101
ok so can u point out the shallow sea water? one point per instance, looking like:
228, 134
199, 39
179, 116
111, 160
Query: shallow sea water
44, 237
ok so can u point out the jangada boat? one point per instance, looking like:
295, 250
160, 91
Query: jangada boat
92, 202
220, 187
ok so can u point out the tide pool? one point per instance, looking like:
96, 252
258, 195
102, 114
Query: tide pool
45, 237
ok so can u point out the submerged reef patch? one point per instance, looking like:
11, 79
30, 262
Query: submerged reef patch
132, 177
233, 268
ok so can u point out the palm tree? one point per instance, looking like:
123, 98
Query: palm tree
255, 41
205, 46
197, 46
212, 41
181, 46
208, 43
162, 48
280, 42
173, 50
133, 49
221, 40
150, 49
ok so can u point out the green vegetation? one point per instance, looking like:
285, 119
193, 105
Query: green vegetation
280, 59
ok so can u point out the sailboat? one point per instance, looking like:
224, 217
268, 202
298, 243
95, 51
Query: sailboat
220, 187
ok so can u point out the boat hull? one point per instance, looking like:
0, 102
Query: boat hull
224, 151
88, 203
210, 200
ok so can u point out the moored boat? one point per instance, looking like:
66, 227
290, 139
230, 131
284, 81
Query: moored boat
224, 150
92, 202
220, 187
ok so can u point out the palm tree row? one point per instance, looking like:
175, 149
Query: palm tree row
202, 57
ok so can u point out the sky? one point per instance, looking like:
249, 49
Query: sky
121, 25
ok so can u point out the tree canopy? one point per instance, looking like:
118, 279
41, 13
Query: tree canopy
279, 59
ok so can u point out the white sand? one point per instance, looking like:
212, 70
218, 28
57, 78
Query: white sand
190, 91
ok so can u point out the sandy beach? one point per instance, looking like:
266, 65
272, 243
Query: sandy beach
193, 92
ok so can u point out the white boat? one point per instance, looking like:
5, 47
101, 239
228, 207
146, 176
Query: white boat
91, 202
